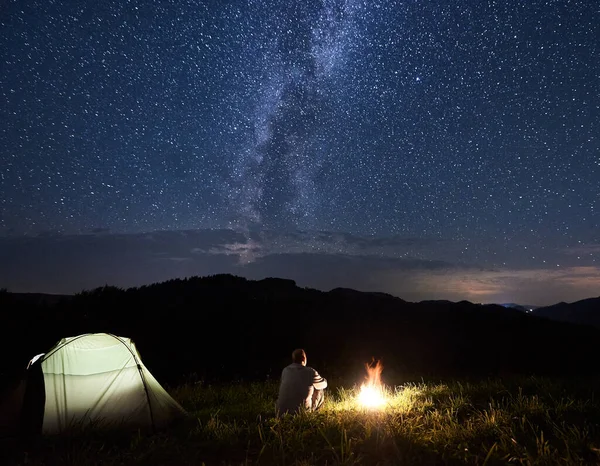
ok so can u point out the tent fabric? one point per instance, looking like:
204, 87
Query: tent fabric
100, 380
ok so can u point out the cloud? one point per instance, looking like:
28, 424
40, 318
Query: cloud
69, 264
263, 243
4, 232
327, 271
49, 233
527, 286
583, 250
411, 268
100, 231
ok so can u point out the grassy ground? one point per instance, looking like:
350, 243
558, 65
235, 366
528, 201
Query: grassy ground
516, 421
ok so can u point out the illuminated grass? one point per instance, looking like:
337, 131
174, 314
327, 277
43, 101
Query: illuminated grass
527, 421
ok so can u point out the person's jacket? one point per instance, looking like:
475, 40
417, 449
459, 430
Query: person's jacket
297, 386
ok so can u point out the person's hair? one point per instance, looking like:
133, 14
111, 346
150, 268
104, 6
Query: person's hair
298, 355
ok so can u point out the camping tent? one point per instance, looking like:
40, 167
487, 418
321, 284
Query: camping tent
96, 378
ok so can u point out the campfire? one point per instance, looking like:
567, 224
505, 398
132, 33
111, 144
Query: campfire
372, 392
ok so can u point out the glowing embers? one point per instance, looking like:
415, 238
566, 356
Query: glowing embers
372, 392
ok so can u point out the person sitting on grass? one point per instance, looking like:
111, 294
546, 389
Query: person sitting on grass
301, 387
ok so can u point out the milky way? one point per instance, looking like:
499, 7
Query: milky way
473, 122
302, 52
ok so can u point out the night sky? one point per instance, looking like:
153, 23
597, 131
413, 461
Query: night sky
433, 150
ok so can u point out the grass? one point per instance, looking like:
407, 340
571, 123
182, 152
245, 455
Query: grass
526, 421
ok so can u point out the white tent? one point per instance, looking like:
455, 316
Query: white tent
99, 379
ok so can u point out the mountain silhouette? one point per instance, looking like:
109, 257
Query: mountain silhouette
520, 307
224, 327
586, 311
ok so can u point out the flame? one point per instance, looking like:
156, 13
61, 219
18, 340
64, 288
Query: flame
372, 394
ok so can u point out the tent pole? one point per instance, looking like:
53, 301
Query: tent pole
139, 366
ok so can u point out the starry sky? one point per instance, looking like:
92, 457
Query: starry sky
433, 150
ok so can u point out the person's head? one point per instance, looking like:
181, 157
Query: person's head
299, 356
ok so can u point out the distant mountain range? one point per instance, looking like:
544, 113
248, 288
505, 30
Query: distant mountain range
586, 311
227, 327
520, 307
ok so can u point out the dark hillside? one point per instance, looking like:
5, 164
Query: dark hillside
586, 311
225, 327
